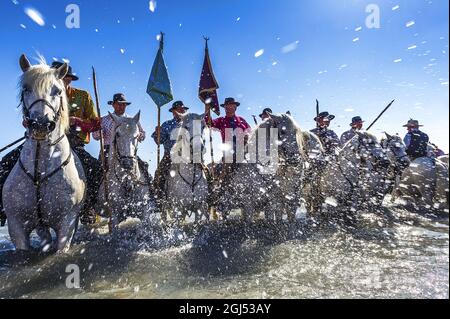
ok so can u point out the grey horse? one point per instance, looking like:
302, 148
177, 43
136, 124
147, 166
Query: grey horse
271, 186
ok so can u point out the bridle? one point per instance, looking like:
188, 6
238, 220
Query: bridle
27, 109
119, 159
194, 180
38, 178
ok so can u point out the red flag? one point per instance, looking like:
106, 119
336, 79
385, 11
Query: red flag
208, 84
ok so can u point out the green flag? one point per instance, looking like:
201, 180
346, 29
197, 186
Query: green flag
159, 87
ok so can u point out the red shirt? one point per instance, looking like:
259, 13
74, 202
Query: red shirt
223, 123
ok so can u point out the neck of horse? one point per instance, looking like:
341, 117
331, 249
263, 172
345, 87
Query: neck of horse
48, 154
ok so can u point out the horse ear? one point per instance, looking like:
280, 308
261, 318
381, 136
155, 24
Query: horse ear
137, 117
25, 64
61, 72
388, 135
114, 117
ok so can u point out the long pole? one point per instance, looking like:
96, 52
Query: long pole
381, 114
102, 154
211, 144
13, 143
317, 111
158, 136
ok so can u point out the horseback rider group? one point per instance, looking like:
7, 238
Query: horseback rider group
84, 121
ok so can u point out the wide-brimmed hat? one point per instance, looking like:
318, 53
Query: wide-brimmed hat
119, 97
57, 64
230, 100
324, 115
266, 111
178, 104
412, 123
356, 120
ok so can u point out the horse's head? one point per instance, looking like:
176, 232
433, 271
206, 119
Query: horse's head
44, 103
368, 149
396, 150
193, 123
126, 139
189, 144
290, 139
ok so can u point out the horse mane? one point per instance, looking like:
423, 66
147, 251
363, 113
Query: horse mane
39, 79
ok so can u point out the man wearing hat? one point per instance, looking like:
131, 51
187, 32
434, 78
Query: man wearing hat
265, 114
229, 121
119, 104
166, 129
415, 140
83, 121
357, 125
329, 138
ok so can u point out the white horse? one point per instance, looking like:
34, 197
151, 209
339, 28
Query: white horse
187, 188
356, 178
129, 193
425, 182
46, 188
272, 186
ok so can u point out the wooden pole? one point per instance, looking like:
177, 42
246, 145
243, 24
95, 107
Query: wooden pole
158, 136
102, 155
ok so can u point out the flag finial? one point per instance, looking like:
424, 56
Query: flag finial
206, 41
161, 40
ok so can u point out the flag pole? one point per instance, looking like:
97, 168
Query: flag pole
158, 134
210, 124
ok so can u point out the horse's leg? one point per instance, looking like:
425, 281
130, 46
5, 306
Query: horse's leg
45, 235
66, 231
20, 236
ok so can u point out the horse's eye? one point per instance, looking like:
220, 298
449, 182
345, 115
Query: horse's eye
56, 91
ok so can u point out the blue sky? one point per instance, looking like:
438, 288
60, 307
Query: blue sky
333, 56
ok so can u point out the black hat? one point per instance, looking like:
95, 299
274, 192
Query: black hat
178, 104
119, 97
56, 65
412, 123
324, 115
356, 120
266, 111
230, 100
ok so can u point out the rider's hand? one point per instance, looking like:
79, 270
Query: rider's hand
74, 121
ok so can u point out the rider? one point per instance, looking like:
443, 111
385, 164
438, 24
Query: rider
83, 117
357, 125
166, 129
265, 114
415, 140
329, 139
119, 103
229, 121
